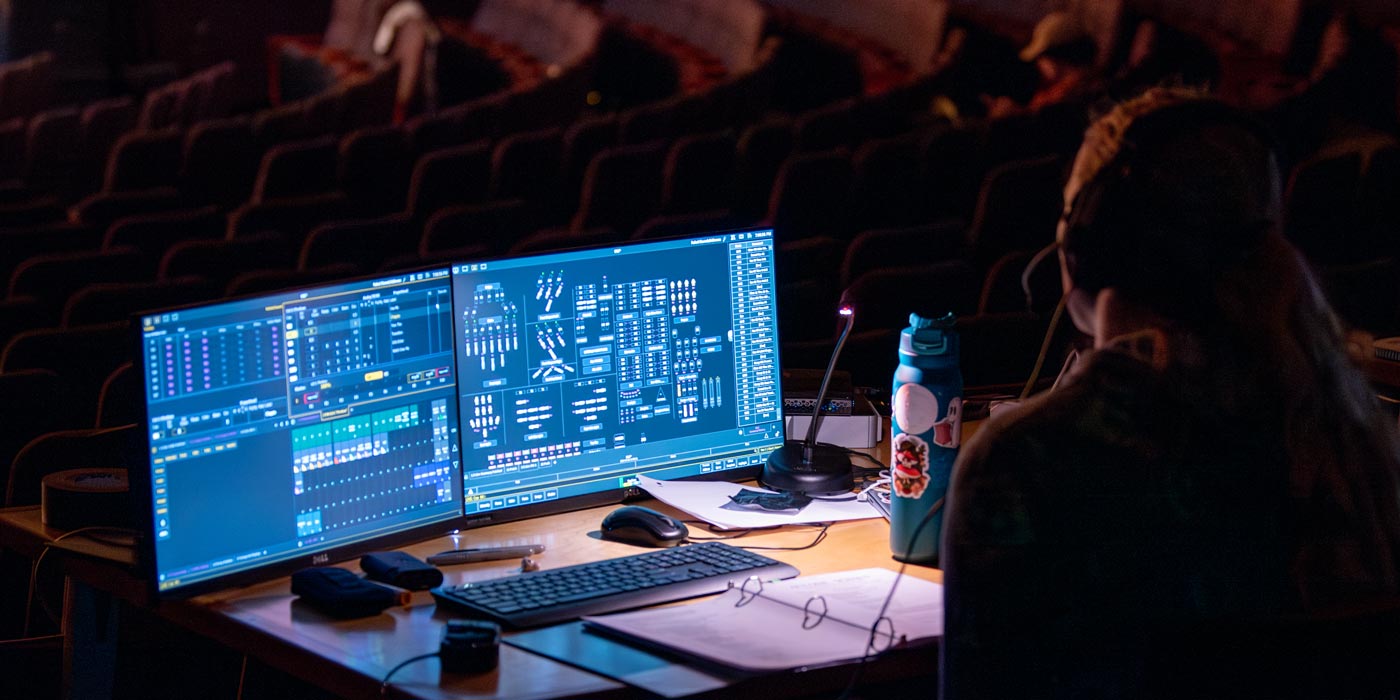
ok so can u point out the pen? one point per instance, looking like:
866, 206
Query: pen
464, 556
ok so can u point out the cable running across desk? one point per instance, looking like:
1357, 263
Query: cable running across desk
650, 578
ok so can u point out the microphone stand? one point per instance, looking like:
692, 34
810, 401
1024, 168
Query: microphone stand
806, 467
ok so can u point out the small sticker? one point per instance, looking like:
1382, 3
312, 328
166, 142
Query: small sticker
948, 432
915, 408
910, 466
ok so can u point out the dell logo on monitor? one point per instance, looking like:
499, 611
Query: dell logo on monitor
319, 559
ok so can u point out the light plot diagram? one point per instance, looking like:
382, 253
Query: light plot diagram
492, 329
548, 288
554, 353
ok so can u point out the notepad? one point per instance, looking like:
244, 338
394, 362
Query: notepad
779, 625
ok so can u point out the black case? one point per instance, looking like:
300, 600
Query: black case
402, 570
340, 593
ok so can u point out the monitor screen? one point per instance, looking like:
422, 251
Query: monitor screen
283, 427
578, 371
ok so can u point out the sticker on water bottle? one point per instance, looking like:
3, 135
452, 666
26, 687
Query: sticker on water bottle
915, 408
910, 471
948, 432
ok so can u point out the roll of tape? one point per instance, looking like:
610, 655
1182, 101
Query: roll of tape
85, 497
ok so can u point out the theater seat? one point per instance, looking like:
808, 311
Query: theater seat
84, 355
298, 169
456, 175
32, 402
118, 301
143, 160
495, 226
363, 243
699, 173
373, 168
621, 188
263, 281
914, 245
219, 261
220, 161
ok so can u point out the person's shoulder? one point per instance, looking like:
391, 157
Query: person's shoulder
1099, 395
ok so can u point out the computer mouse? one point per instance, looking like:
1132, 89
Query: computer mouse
643, 527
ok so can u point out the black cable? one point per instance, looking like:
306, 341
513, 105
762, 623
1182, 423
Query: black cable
856, 453
242, 675
1045, 347
875, 626
820, 537
746, 532
37, 594
734, 536
384, 685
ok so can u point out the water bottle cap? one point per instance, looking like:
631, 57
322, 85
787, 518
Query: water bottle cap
945, 321
929, 336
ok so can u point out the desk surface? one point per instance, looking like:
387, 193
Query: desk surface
265, 621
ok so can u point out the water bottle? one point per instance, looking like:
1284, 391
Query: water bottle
925, 433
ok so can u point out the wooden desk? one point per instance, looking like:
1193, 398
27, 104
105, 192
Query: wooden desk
351, 657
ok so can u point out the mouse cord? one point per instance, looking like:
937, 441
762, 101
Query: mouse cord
731, 536
818, 540
384, 685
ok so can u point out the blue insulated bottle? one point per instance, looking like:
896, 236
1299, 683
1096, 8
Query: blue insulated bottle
925, 433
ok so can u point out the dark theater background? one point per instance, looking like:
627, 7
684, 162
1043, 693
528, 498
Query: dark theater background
155, 153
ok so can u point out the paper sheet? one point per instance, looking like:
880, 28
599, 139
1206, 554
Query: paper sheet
706, 500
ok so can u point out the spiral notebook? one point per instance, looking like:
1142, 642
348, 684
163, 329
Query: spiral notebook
760, 626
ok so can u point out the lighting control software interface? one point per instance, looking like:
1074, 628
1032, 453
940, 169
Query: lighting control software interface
578, 371
283, 425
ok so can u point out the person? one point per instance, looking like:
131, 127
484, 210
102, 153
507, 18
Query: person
407, 34
1214, 464
1063, 55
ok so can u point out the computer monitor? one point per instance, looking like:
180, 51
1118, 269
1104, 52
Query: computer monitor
300, 428
579, 370
285, 430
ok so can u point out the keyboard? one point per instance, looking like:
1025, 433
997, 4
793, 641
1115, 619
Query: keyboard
558, 595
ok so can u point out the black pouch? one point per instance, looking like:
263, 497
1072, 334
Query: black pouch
747, 499
340, 593
401, 569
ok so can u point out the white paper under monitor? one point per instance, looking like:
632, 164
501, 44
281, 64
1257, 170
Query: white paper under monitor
784, 626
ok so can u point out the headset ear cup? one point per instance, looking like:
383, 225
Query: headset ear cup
1087, 238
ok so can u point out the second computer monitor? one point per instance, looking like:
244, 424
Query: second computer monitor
578, 371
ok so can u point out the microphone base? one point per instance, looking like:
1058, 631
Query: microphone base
828, 474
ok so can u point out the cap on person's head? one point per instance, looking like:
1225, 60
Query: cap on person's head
1052, 31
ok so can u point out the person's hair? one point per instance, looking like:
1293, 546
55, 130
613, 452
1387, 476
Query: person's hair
1177, 209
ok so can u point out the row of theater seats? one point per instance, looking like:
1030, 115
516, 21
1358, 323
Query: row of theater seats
56, 154
865, 191
200, 256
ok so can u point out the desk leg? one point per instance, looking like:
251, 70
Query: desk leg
89, 641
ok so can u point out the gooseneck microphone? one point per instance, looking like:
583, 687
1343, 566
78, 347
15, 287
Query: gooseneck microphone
807, 467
